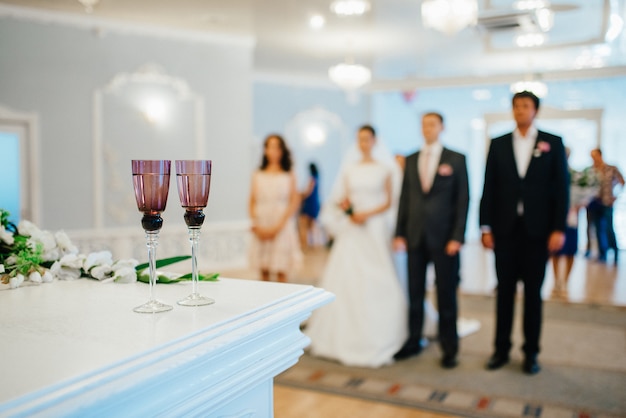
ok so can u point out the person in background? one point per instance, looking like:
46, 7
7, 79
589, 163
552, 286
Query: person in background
310, 207
570, 248
432, 216
274, 201
602, 207
522, 218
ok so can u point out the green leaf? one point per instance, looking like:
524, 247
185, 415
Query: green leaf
145, 278
163, 262
211, 277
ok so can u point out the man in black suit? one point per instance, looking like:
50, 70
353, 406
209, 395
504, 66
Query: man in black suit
522, 216
432, 214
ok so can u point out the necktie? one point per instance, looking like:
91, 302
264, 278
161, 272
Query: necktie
424, 171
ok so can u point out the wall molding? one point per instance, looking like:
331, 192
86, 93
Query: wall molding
100, 25
151, 74
547, 113
223, 245
410, 84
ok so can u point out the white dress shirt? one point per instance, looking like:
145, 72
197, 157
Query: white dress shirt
428, 160
523, 147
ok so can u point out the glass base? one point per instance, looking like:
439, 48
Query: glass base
153, 306
195, 299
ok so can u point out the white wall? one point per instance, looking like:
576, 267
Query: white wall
53, 69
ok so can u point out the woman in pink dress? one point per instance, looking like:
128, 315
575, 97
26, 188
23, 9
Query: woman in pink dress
274, 201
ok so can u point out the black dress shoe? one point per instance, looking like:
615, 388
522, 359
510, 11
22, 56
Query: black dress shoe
407, 351
531, 365
449, 362
496, 361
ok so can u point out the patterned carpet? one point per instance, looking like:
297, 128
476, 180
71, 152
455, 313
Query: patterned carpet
583, 370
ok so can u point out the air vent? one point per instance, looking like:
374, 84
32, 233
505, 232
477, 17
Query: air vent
506, 21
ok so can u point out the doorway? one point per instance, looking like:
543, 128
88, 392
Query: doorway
18, 166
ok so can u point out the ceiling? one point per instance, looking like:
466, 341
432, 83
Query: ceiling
390, 38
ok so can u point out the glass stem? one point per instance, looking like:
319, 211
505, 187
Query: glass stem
194, 238
152, 242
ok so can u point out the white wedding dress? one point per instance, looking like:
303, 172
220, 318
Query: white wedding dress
367, 323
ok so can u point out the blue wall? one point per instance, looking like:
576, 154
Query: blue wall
287, 109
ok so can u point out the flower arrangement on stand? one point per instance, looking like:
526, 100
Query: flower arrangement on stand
584, 186
31, 255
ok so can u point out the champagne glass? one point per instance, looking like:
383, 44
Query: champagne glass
151, 180
193, 178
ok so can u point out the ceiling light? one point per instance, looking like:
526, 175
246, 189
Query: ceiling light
350, 7
545, 19
539, 88
449, 16
530, 4
88, 4
481, 94
616, 24
528, 40
349, 76
317, 22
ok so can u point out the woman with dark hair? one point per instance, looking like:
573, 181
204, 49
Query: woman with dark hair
274, 201
310, 206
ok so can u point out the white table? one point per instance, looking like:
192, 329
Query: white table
77, 349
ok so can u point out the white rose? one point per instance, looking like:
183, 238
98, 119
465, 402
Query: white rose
125, 275
35, 277
16, 281
52, 255
6, 236
47, 277
65, 244
49, 245
1, 268
74, 261
10, 260
100, 272
63, 272
98, 258
130, 262
27, 228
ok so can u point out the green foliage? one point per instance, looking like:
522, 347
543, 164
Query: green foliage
144, 277
25, 258
164, 262
4, 218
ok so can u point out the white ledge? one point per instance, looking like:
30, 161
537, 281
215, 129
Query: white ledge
77, 348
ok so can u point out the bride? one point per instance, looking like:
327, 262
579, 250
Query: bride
367, 323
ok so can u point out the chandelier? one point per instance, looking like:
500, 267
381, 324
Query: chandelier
449, 16
88, 4
349, 76
350, 7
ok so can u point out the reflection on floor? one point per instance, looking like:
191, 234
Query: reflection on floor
590, 281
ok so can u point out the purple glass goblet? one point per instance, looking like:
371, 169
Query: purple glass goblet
193, 178
151, 181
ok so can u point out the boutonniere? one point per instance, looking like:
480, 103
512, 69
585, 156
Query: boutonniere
542, 147
445, 170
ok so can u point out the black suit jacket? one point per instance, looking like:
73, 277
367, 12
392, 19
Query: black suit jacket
441, 214
544, 191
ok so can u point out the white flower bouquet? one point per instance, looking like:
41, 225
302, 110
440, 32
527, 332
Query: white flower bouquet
584, 186
29, 254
